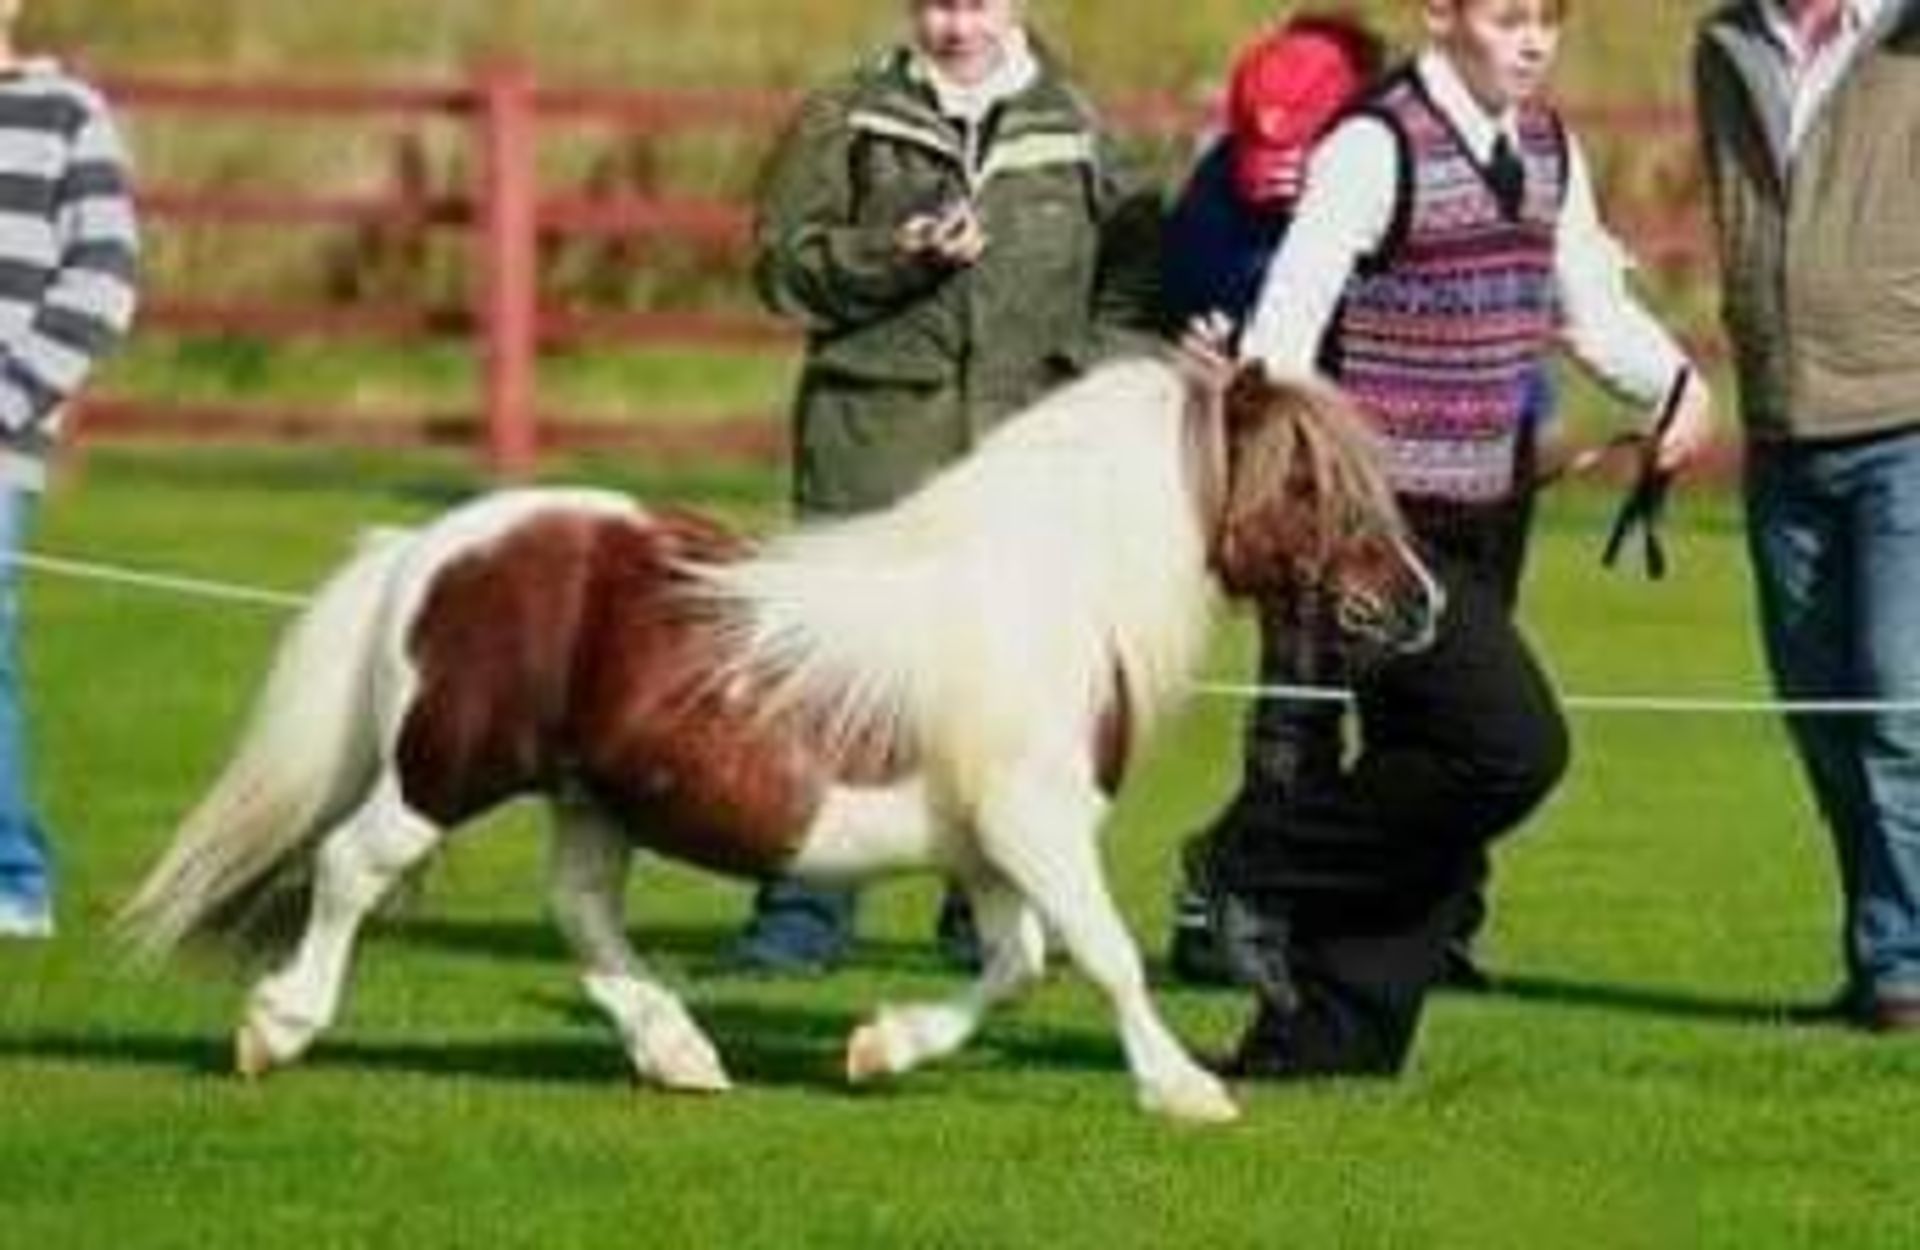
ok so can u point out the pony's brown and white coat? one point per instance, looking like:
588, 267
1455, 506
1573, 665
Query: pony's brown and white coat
954, 682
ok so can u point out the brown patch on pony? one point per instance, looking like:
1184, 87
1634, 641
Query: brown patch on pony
570, 651
492, 643
1302, 484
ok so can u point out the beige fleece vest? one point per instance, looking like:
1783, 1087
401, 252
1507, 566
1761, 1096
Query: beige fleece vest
1820, 253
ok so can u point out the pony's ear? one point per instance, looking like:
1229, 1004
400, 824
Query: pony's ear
1247, 395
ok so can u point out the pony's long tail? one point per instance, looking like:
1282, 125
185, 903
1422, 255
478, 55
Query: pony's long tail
308, 754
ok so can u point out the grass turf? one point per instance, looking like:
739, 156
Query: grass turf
1632, 1085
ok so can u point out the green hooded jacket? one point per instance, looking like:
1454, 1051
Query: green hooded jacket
909, 362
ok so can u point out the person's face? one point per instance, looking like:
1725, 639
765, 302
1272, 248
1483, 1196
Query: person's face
964, 37
1504, 49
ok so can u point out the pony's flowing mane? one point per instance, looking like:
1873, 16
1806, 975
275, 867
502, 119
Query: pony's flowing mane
1067, 550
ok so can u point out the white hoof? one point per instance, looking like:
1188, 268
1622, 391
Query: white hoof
892, 1043
684, 1061
252, 1057
1197, 1098
869, 1058
899, 1039
661, 1039
269, 1039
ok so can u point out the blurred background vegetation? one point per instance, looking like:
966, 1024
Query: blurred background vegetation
1634, 48
1614, 54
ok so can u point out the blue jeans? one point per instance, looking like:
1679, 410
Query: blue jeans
1834, 531
26, 870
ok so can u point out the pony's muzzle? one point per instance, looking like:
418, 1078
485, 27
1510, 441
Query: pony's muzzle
1417, 621
1401, 617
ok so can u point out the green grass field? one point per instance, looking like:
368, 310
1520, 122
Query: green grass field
1633, 1084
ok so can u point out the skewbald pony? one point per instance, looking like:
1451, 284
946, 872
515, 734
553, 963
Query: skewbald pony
954, 683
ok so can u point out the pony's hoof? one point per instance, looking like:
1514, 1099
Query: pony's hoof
252, 1057
869, 1058
1202, 1100
677, 1056
695, 1071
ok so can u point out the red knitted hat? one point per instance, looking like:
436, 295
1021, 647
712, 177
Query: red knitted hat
1287, 87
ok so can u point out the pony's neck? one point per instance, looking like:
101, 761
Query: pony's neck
1070, 544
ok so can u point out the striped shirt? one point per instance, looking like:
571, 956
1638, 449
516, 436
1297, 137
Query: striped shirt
68, 249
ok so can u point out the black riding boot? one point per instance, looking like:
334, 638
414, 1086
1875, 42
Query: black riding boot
1291, 746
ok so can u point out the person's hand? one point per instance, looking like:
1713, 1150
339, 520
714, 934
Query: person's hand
960, 239
1690, 430
1205, 350
952, 236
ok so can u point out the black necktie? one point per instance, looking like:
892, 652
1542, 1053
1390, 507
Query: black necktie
1508, 178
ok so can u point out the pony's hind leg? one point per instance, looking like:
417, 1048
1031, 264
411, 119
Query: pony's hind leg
1039, 826
357, 864
1013, 944
591, 857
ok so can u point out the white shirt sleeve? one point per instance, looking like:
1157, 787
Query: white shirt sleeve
1605, 325
1343, 215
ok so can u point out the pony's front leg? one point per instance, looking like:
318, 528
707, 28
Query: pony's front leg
1039, 826
1013, 947
356, 866
591, 858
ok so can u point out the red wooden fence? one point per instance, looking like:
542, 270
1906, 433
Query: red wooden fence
505, 214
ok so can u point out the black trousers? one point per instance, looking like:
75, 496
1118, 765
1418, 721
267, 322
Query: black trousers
1372, 871
1291, 748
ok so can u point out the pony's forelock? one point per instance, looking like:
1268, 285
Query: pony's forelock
1304, 474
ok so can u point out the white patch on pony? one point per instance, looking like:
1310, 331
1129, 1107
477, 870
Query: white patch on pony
863, 831
985, 617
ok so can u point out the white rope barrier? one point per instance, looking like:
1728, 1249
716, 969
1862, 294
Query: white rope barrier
190, 587
1651, 704
1647, 703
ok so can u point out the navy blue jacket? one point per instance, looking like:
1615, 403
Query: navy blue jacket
1215, 247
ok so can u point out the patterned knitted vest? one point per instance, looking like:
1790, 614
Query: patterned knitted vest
1437, 334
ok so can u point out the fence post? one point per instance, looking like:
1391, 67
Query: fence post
507, 234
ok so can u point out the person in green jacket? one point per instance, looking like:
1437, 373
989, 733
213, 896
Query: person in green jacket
950, 224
